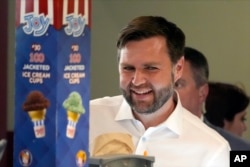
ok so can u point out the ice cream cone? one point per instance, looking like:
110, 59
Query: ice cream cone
74, 108
38, 117
81, 158
36, 106
73, 118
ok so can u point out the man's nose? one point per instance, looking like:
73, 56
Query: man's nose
138, 78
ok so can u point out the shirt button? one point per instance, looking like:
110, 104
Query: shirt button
144, 139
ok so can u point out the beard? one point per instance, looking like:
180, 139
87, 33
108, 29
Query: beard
160, 97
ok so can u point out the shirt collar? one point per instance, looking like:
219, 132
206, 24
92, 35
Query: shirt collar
124, 112
173, 123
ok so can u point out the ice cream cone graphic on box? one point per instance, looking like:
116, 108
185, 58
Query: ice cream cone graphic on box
81, 158
38, 117
74, 108
36, 106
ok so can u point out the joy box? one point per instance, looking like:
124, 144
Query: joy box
52, 74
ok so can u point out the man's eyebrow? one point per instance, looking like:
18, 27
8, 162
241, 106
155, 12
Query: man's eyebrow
151, 64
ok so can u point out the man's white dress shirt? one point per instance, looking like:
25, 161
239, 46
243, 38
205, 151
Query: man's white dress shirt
183, 140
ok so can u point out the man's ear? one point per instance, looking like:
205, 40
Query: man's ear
178, 68
203, 92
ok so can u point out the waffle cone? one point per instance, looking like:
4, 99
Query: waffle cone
36, 115
73, 116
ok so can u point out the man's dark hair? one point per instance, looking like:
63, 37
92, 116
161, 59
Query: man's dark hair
223, 102
198, 64
144, 27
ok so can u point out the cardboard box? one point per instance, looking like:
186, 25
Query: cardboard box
52, 80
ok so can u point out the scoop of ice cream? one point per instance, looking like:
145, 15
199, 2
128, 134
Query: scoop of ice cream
74, 103
35, 101
113, 143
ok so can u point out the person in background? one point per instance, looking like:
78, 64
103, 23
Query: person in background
193, 84
193, 89
226, 107
148, 118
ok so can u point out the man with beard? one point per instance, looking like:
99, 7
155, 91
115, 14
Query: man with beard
149, 118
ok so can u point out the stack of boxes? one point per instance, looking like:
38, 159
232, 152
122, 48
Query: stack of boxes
52, 80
